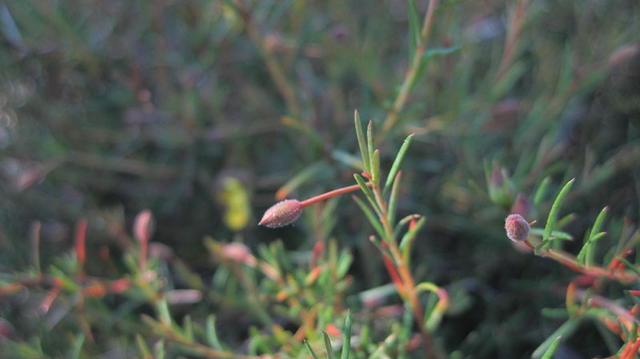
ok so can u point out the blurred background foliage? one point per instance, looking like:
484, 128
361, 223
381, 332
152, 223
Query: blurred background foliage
201, 111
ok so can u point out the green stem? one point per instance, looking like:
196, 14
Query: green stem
412, 72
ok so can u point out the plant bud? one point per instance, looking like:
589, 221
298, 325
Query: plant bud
500, 187
517, 227
143, 226
238, 252
183, 296
282, 213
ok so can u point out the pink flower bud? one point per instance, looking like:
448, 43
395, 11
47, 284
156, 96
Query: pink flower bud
497, 177
143, 224
517, 227
238, 252
183, 296
282, 213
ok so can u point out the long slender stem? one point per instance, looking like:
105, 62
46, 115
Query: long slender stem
412, 71
571, 262
330, 194
409, 287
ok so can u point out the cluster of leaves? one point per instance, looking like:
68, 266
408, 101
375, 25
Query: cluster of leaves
201, 110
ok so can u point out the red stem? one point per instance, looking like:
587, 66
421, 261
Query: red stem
327, 195
393, 273
81, 235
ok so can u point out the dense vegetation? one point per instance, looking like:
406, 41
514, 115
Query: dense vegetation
142, 141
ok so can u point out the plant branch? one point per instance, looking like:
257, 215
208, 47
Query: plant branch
330, 194
570, 261
412, 71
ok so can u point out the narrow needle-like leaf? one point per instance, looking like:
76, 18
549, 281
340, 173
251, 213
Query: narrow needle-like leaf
548, 354
585, 256
346, 344
370, 216
407, 239
368, 193
370, 143
212, 335
362, 144
313, 354
327, 345
553, 213
375, 167
563, 331
541, 191
393, 198
397, 162
598, 223
414, 27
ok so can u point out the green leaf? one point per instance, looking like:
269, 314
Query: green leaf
553, 213
426, 58
348, 160
159, 350
393, 199
76, 349
548, 354
365, 333
515, 72
344, 262
212, 334
388, 343
375, 167
327, 345
364, 152
397, 162
370, 144
407, 240
313, 354
372, 219
414, 27
143, 348
368, 193
541, 191
554, 234
585, 256
162, 308
598, 223
410, 235
564, 331
346, 344
188, 327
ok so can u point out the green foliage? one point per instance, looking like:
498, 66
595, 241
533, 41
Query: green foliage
208, 112
553, 213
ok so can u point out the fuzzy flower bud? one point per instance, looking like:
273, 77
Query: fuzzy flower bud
143, 226
517, 227
238, 252
282, 213
500, 187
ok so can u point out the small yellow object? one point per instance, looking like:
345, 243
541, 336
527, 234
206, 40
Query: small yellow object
236, 201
